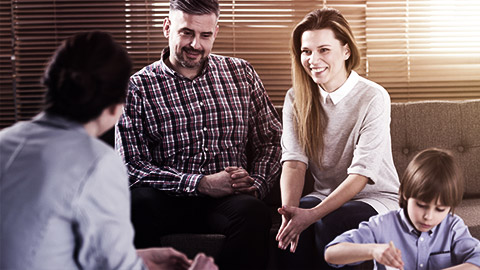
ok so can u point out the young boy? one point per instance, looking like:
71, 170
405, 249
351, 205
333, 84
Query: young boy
424, 233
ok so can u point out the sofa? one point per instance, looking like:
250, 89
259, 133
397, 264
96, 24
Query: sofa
452, 125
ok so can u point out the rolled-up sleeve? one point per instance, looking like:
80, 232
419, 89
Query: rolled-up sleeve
373, 145
291, 149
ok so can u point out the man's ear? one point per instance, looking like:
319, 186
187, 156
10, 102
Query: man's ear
166, 27
216, 31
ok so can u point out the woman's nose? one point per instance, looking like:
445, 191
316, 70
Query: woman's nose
314, 58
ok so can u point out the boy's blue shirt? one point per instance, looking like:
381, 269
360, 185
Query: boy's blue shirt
448, 244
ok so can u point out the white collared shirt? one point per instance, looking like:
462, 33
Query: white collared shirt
341, 92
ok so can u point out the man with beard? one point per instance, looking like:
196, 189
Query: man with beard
188, 123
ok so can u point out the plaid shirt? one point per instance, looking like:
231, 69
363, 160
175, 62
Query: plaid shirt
174, 130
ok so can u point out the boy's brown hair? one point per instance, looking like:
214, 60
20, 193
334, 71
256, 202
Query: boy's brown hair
432, 175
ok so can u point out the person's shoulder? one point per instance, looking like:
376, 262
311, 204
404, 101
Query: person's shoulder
372, 95
146, 71
386, 219
230, 60
370, 84
12, 130
290, 95
454, 221
372, 89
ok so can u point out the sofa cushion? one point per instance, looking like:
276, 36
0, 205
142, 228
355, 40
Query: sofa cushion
469, 211
452, 125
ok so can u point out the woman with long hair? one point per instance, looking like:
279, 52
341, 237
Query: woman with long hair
336, 124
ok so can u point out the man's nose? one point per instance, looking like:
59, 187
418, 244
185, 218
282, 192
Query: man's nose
195, 43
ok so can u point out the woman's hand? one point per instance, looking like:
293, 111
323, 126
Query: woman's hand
294, 221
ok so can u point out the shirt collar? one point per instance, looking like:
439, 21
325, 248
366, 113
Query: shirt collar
58, 121
167, 69
341, 92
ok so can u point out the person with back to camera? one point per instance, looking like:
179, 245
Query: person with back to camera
337, 124
424, 233
189, 121
64, 193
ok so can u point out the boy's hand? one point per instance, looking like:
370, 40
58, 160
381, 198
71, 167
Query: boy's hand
388, 255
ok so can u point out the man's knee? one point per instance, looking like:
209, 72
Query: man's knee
252, 211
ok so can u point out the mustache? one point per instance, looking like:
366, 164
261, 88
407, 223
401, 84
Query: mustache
192, 50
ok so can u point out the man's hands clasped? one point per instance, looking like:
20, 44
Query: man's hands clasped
233, 180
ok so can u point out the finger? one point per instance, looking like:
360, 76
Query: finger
243, 189
281, 237
282, 227
287, 235
231, 168
294, 244
239, 176
290, 236
180, 264
392, 259
285, 211
242, 184
181, 260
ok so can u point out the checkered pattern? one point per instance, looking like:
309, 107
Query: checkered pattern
175, 130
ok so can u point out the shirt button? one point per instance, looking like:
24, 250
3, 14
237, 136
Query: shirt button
421, 265
204, 129
200, 103
421, 239
206, 149
202, 170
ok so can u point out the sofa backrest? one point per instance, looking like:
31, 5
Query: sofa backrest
415, 126
451, 125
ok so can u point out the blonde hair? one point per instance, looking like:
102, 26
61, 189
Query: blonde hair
309, 115
432, 175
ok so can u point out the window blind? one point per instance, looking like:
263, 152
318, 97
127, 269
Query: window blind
40, 26
416, 49
424, 49
7, 100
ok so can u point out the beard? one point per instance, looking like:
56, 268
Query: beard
186, 63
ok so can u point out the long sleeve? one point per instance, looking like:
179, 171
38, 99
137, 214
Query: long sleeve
131, 143
466, 249
104, 233
264, 137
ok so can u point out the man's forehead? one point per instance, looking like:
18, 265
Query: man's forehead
200, 23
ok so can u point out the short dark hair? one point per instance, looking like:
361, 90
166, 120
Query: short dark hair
196, 7
87, 73
432, 175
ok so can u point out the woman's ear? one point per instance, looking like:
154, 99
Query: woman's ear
347, 52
